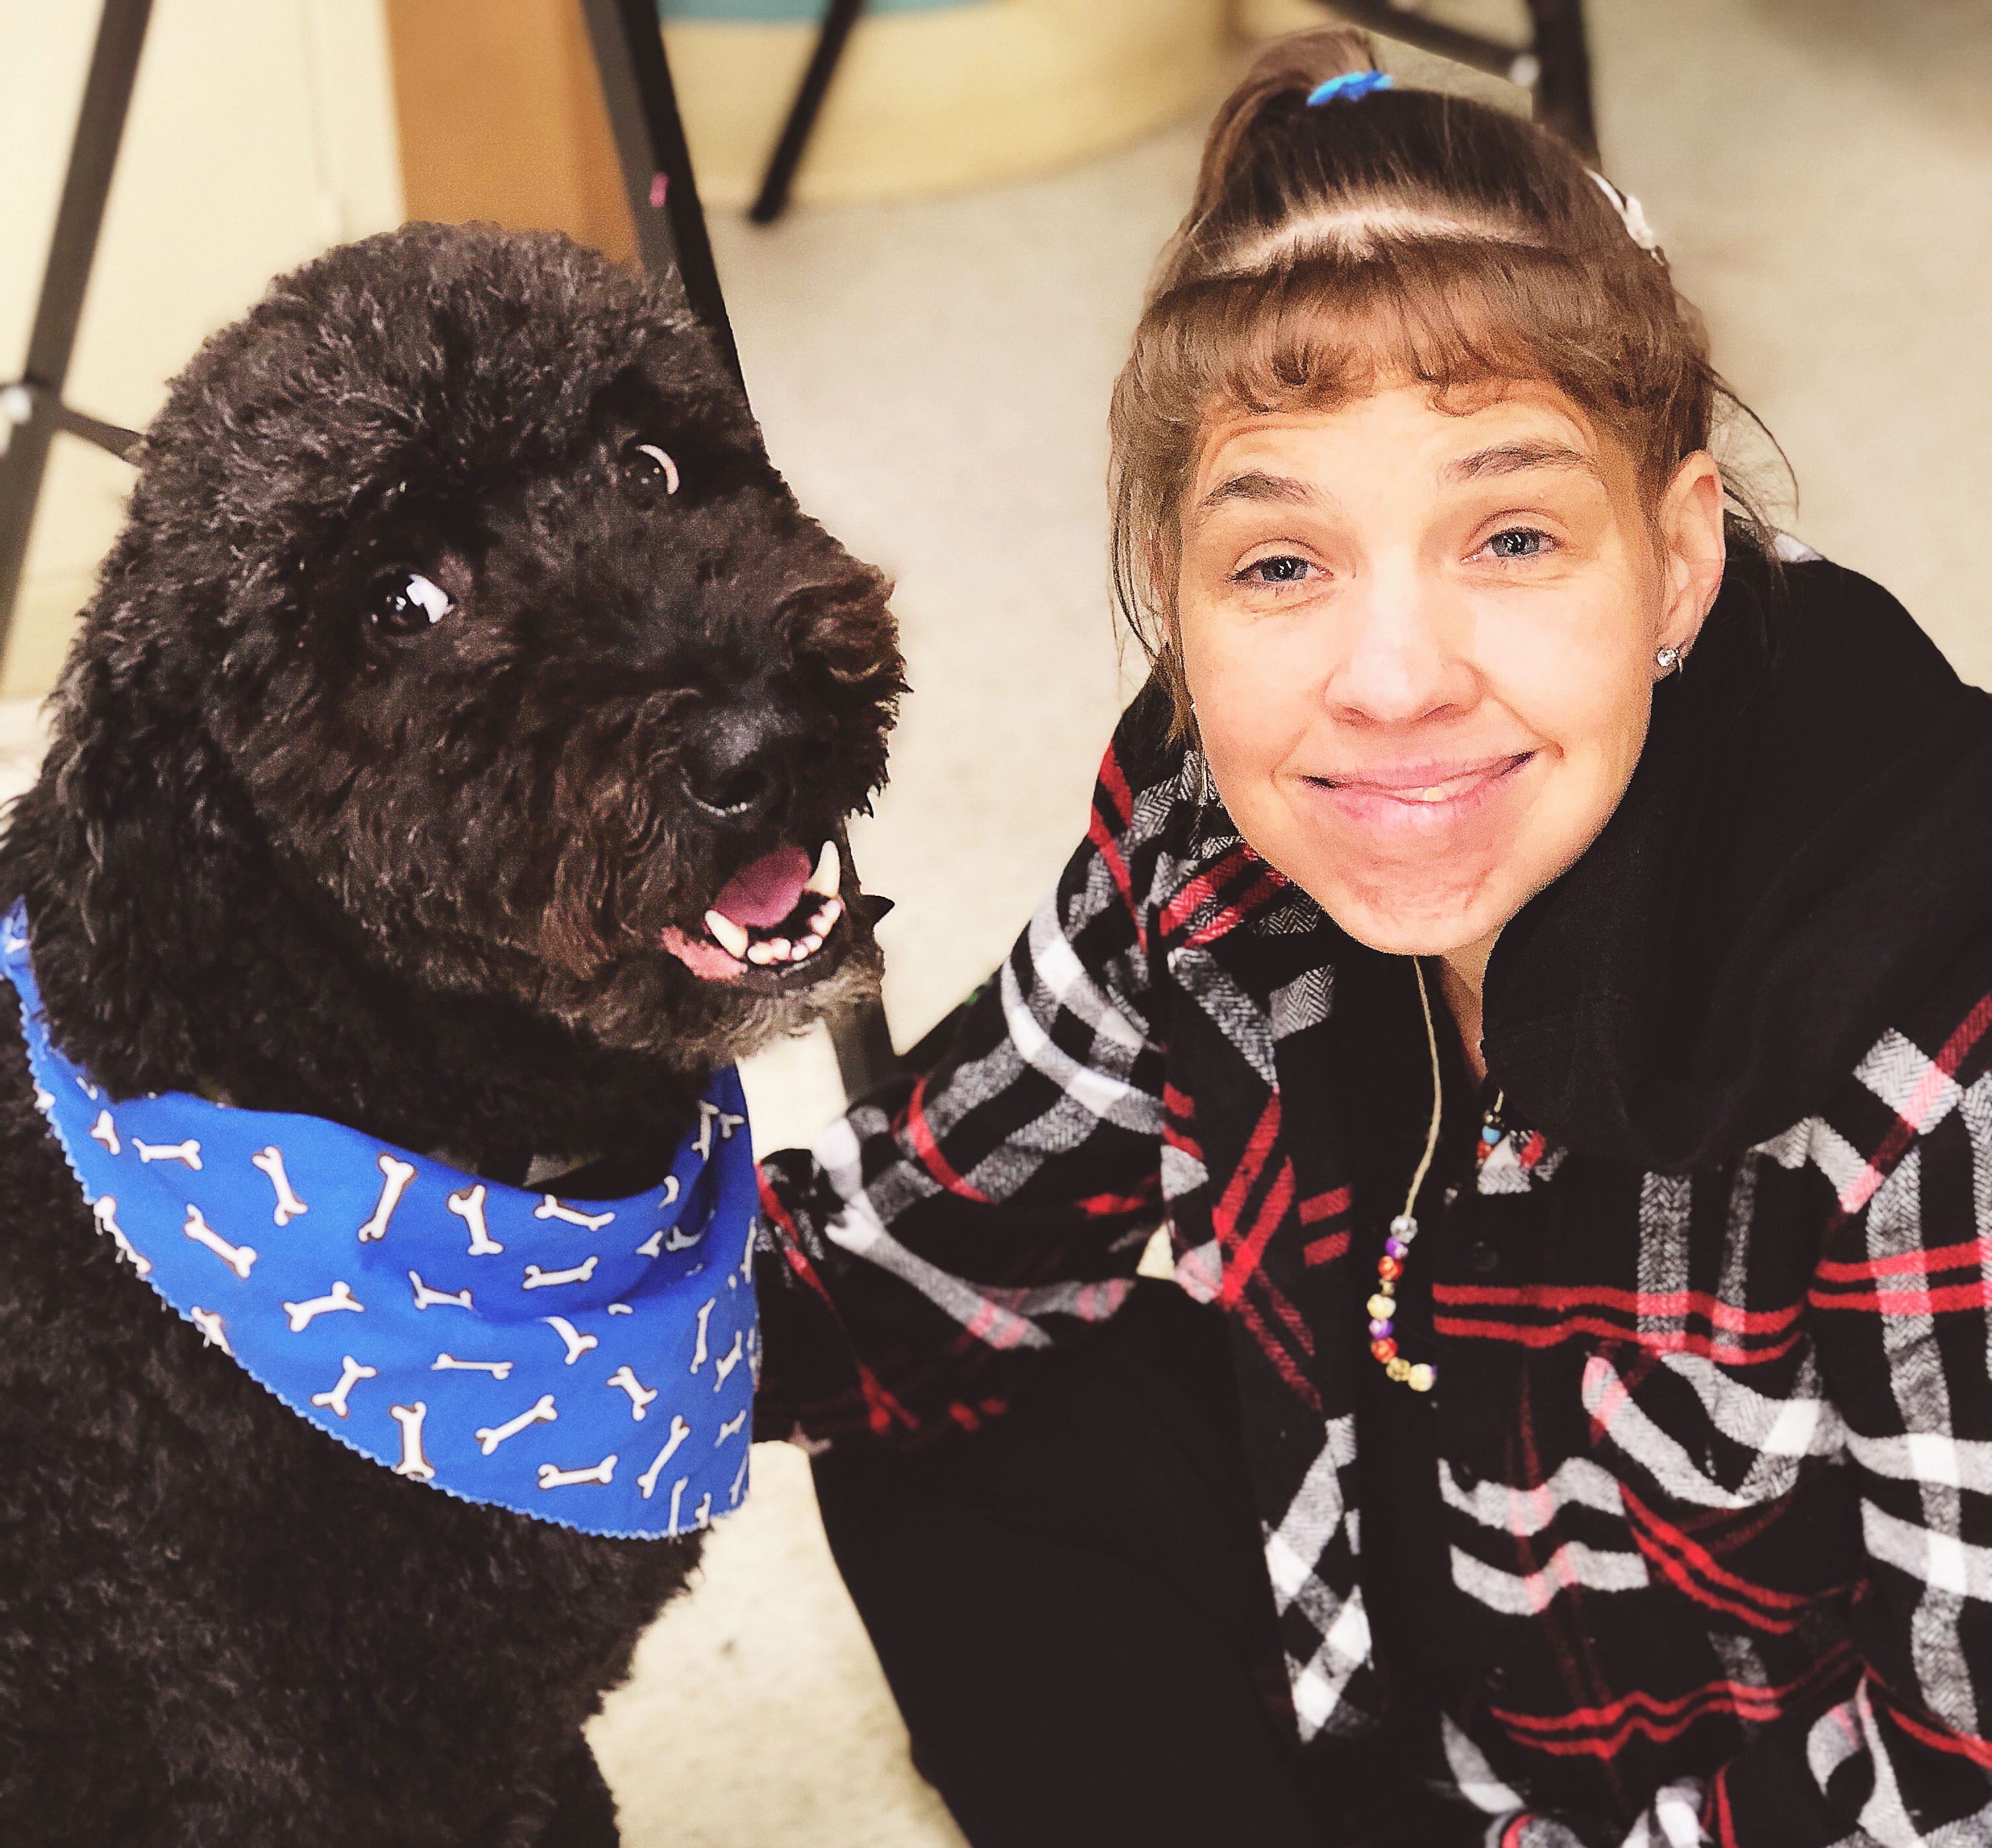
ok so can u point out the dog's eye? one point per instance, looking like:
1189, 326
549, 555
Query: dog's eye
649, 472
406, 603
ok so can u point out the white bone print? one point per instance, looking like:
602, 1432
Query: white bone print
747, 1256
105, 1131
703, 1512
670, 1191
676, 1239
727, 1361
739, 1477
730, 1427
550, 1478
468, 1206
498, 1369
88, 1089
105, 1213
540, 1412
648, 1480
414, 1464
621, 1309
302, 1314
397, 1175
426, 1298
239, 1258
578, 1344
44, 1099
640, 1395
710, 1117
551, 1208
677, 1494
351, 1374
537, 1279
186, 1152
698, 1352
270, 1160
212, 1328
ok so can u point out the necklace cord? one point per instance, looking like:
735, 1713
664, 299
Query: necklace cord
1431, 1134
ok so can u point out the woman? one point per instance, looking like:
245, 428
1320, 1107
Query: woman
1533, 950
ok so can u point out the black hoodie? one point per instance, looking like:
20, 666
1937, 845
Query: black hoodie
1807, 840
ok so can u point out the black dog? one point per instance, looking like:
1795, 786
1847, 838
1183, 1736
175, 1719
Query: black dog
463, 700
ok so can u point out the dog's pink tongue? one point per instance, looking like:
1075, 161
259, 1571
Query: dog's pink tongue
765, 891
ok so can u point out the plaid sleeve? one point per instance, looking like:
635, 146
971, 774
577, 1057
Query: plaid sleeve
998, 1201
1901, 1310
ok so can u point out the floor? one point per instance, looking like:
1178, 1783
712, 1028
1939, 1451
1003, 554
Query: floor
933, 378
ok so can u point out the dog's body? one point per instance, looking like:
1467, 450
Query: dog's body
461, 698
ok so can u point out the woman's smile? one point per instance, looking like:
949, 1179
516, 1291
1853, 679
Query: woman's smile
1397, 804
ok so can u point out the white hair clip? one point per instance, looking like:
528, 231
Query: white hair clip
1631, 214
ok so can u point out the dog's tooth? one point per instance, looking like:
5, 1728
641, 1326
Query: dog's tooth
829, 871
809, 946
730, 936
778, 949
762, 953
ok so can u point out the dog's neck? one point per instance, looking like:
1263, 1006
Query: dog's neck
286, 1016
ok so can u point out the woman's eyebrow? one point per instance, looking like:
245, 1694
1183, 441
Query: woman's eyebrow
1256, 484
1513, 458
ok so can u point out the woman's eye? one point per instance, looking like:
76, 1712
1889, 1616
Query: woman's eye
1281, 570
1519, 542
406, 603
650, 471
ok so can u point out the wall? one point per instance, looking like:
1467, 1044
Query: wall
259, 133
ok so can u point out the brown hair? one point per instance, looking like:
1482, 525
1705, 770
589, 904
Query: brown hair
1407, 234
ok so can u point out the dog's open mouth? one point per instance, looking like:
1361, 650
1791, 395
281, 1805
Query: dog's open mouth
776, 913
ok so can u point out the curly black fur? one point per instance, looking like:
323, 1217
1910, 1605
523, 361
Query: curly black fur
415, 879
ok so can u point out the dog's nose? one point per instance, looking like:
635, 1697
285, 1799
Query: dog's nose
735, 769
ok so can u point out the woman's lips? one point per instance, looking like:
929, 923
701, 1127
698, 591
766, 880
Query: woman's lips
1420, 803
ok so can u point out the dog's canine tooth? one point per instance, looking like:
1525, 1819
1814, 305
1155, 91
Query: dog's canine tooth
730, 936
829, 871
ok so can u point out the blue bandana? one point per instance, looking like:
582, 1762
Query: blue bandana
589, 1363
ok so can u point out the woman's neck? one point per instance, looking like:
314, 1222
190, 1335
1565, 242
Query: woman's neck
1461, 974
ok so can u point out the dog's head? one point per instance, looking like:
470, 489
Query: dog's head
459, 604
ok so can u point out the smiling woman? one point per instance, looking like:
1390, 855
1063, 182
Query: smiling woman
1566, 1082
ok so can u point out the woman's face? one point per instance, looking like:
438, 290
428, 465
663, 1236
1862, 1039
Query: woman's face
1421, 646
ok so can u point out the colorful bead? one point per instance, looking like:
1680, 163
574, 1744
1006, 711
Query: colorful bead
1398, 1367
1389, 1269
1403, 1226
1384, 1348
1382, 1308
1395, 1248
1379, 1327
1489, 1134
1420, 1378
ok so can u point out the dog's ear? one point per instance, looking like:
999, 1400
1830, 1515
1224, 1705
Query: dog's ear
136, 850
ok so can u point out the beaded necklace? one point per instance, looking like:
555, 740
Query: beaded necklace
1419, 1376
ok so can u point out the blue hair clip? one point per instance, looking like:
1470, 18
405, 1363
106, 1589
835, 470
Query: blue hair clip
1351, 85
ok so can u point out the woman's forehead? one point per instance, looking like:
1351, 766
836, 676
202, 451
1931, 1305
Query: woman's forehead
1497, 429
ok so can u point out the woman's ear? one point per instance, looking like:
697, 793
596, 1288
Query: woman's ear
1694, 550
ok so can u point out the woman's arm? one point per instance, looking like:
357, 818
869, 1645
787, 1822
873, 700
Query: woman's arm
979, 1211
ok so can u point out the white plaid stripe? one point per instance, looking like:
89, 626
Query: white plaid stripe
1664, 1201
1922, 1403
1907, 1080
1475, 1777
1529, 1594
1578, 1482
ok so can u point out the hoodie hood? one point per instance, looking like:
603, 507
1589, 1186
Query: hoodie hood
1805, 843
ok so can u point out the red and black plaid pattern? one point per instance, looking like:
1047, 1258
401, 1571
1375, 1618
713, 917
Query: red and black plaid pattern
1715, 1449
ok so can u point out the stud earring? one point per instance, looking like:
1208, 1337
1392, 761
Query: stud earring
1668, 659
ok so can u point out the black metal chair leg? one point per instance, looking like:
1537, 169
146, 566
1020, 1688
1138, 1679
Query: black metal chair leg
788, 154
32, 410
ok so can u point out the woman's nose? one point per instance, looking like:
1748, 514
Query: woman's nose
1399, 656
